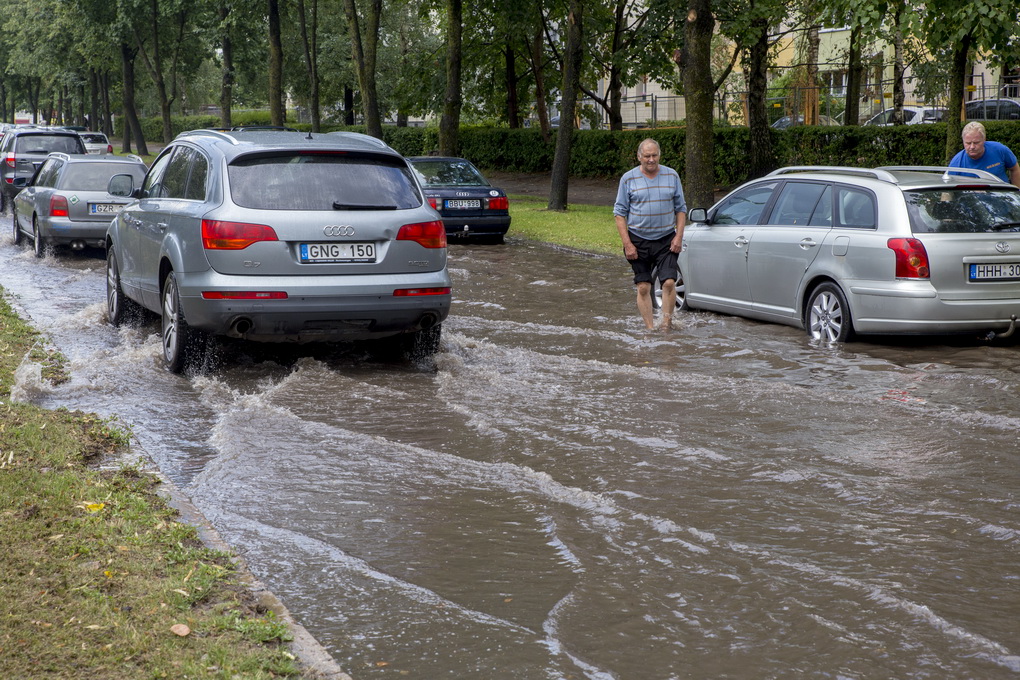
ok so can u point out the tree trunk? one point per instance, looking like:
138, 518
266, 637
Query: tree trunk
699, 184
541, 108
762, 159
365, 51
95, 122
107, 114
572, 59
132, 126
957, 82
513, 113
811, 79
348, 106
227, 79
310, 43
898, 67
854, 78
449, 124
277, 115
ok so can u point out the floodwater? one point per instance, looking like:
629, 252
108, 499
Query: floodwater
563, 494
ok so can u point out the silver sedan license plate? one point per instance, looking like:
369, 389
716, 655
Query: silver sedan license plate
1007, 271
462, 203
103, 208
337, 252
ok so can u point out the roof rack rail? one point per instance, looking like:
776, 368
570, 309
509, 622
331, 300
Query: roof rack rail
211, 133
135, 157
943, 170
877, 173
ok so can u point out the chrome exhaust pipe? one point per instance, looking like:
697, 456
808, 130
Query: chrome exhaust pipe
77, 245
242, 326
427, 321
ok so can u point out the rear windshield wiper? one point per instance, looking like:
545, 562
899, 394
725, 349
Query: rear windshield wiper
1003, 226
337, 205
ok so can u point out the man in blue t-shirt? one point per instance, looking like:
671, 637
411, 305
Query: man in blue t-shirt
650, 214
979, 154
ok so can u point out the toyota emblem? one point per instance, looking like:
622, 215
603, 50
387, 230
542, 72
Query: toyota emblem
338, 230
1002, 247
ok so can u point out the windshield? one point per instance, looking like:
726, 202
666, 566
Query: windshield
96, 176
445, 173
963, 210
321, 181
44, 144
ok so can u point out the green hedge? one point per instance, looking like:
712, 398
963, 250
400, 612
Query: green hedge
601, 153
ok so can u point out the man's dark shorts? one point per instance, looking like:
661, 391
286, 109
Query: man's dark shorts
653, 255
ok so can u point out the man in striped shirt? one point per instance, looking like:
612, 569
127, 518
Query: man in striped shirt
650, 215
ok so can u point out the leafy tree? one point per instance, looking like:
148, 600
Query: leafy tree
572, 58
365, 44
699, 91
449, 125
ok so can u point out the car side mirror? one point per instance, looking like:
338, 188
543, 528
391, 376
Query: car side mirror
122, 185
21, 182
697, 215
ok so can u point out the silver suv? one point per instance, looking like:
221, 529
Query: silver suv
909, 250
279, 236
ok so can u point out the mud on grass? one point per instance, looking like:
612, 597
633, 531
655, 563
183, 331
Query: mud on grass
99, 578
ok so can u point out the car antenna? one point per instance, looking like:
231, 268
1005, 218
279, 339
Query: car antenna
309, 137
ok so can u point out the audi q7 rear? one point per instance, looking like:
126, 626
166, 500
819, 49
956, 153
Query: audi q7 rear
280, 236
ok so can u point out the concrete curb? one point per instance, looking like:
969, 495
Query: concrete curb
315, 661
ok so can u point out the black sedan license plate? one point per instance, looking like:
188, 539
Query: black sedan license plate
1008, 271
463, 203
337, 252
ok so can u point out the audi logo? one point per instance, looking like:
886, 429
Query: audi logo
1002, 247
338, 230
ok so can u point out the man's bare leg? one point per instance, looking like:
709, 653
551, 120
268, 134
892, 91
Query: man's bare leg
668, 303
644, 304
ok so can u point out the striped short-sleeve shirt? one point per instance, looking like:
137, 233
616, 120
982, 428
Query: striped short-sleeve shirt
650, 205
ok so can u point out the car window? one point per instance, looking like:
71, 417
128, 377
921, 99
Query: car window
321, 181
197, 179
822, 215
152, 187
855, 208
94, 138
96, 176
175, 179
44, 144
47, 176
796, 203
745, 206
963, 210
448, 174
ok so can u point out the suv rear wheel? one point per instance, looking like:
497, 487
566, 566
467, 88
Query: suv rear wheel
180, 341
118, 305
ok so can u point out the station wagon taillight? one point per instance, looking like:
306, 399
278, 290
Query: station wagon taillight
911, 258
499, 203
58, 206
219, 235
426, 234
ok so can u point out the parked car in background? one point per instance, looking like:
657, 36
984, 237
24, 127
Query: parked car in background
23, 150
789, 121
468, 204
992, 109
912, 115
839, 251
96, 142
66, 203
279, 236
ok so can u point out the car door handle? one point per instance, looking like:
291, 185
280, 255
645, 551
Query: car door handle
740, 241
807, 243
161, 226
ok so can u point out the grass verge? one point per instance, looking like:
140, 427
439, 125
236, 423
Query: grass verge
585, 227
99, 579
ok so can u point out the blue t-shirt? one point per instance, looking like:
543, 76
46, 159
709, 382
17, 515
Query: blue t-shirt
650, 206
996, 159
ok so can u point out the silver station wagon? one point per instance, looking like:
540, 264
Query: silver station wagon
279, 236
839, 251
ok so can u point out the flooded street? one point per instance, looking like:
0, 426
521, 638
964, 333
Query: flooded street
566, 495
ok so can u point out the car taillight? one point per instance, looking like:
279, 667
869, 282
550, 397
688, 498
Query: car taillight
58, 206
911, 258
434, 202
11, 161
244, 295
426, 234
413, 292
499, 203
109, 148
217, 235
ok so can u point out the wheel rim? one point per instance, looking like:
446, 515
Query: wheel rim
826, 317
112, 287
170, 319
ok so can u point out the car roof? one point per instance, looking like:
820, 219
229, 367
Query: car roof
79, 158
902, 176
451, 159
235, 143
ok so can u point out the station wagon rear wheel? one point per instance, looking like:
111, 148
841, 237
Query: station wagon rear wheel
828, 315
40, 242
17, 229
179, 342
